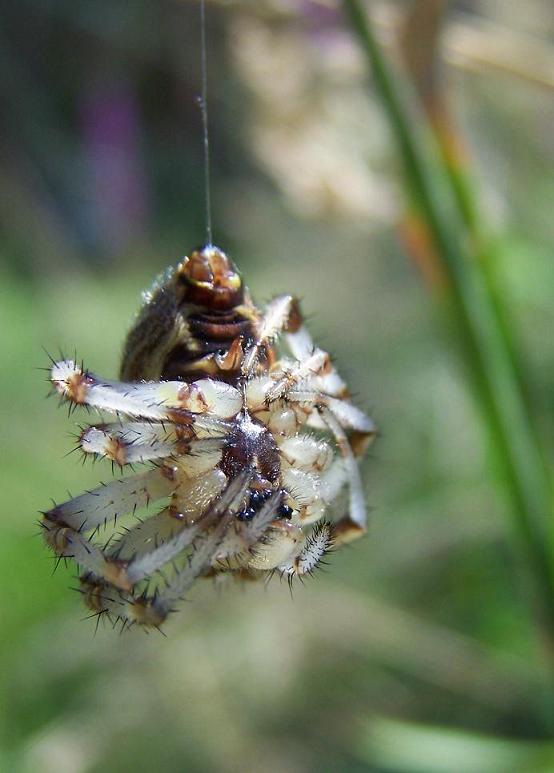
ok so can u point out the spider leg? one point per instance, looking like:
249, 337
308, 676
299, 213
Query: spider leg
283, 314
301, 346
132, 442
189, 499
145, 547
204, 548
151, 543
68, 543
337, 414
277, 544
228, 503
204, 536
203, 402
188, 508
362, 429
311, 551
65, 525
273, 322
266, 541
261, 391
354, 524
312, 373
105, 503
316, 364
235, 550
145, 535
285, 547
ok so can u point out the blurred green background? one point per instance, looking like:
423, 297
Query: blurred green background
417, 650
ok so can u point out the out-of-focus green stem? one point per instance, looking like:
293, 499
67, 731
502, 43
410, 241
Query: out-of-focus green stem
485, 345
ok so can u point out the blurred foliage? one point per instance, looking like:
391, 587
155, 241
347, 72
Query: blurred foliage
455, 246
415, 651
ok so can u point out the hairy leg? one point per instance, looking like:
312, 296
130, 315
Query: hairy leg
205, 401
136, 442
203, 537
273, 322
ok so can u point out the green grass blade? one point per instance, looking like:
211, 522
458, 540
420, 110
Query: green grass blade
412, 748
486, 348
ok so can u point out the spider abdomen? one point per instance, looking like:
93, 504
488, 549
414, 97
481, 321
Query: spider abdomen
195, 323
206, 348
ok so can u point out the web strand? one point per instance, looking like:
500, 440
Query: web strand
204, 111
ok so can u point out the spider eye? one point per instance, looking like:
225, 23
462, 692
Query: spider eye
285, 511
255, 498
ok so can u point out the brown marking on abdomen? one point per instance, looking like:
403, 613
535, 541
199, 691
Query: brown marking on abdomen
208, 329
207, 334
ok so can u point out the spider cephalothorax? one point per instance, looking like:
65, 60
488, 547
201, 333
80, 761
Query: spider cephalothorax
249, 448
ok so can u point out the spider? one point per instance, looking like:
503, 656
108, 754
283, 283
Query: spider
247, 448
